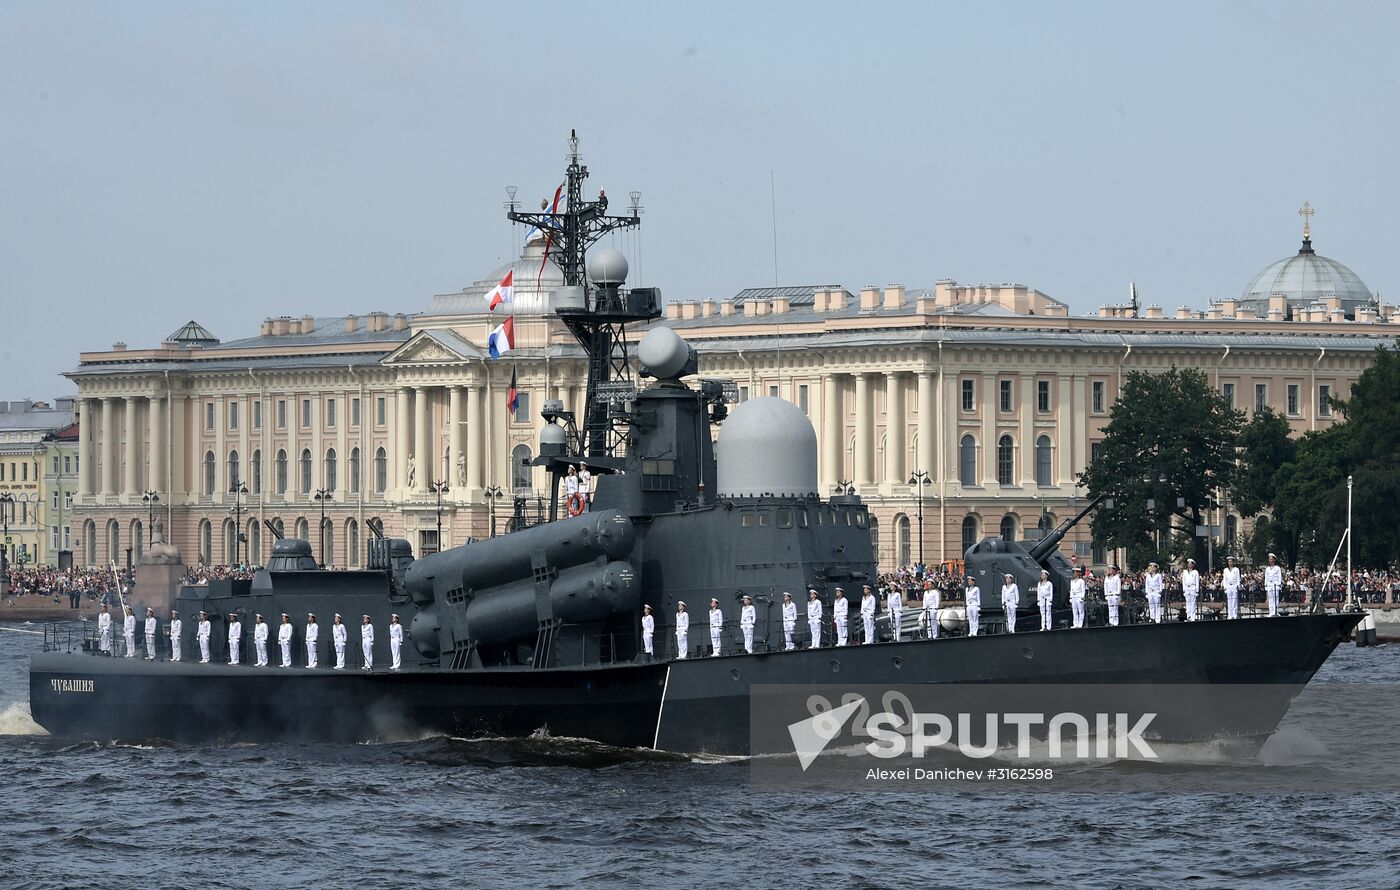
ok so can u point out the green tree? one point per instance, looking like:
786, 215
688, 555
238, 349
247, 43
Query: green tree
1265, 446
1172, 441
1309, 505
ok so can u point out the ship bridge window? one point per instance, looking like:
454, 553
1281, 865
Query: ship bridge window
658, 474
765, 518
860, 519
746, 519
846, 517
802, 517
784, 517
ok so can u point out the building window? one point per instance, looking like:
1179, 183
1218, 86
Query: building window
522, 408
381, 411
209, 416
67, 465
280, 471
802, 397
1095, 451
1005, 453
233, 415
1042, 396
281, 414
967, 460
969, 533
1292, 400
1228, 391
902, 543
1042, 461
254, 543
520, 457
1097, 395
354, 471
352, 543
328, 481
355, 412
230, 543
330, 414
381, 471
1324, 400
206, 543
255, 471
1008, 527
303, 529
327, 544
257, 414
1005, 396
969, 395
772, 392
208, 473
1261, 396
232, 470
1098, 555
743, 394
306, 414
55, 464
306, 471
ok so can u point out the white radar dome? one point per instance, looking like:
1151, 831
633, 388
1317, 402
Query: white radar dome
607, 266
767, 446
663, 353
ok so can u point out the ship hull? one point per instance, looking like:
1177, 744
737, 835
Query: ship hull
696, 705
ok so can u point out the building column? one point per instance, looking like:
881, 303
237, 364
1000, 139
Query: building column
1079, 408
1065, 426
84, 407
988, 385
106, 439
1026, 415
925, 456
155, 446
454, 437
422, 450
476, 457
402, 443
832, 423
178, 451
865, 438
894, 433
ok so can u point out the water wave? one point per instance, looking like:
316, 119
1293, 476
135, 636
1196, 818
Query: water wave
15, 719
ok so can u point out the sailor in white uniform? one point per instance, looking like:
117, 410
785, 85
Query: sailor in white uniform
716, 627
1191, 589
235, 637
814, 619
748, 616
1076, 596
177, 627
129, 631
841, 616
150, 628
260, 640
104, 631
396, 642
202, 632
867, 613
648, 631
284, 639
1152, 587
1045, 598
1230, 580
931, 604
972, 601
340, 637
585, 485
367, 643
682, 629
789, 622
313, 637
895, 603
1010, 599
1113, 594
1273, 583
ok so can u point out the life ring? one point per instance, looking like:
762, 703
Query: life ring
575, 504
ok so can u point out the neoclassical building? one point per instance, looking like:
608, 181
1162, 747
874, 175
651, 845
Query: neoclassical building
995, 394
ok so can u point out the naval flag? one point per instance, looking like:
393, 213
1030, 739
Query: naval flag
503, 292
546, 206
502, 339
512, 394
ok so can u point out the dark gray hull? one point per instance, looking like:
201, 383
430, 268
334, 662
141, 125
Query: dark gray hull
694, 705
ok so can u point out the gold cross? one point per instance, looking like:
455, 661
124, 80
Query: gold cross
1306, 213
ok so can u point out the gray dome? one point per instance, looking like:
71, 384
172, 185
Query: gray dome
767, 446
663, 353
607, 266
1307, 278
535, 277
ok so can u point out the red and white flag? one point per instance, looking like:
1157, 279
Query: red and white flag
503, 292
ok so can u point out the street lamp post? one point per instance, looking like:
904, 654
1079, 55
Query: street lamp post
322, 497
438, 488
150, 499
492, 492
845, 486
919, 480
7, 503
238, 489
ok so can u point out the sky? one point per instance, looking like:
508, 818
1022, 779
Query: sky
228, 162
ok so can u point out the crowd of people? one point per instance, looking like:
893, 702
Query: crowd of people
75, 586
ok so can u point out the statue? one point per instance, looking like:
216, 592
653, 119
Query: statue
412, 472
160, 553
461, 471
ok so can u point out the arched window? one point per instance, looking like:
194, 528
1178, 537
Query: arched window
1042, 461
1008, 527
327, 543
381, 471
329, 479
306, 471
90, 542
1046, 522
231, 548
969, 532
281, 529
902, 542
254, 545
875, 537
303, 529
208, 474
114, 542
967, 460
354, 471
255, 471
520, 468
138, 540
352, 544
1005, 453
233, 477
206, 543
280, 471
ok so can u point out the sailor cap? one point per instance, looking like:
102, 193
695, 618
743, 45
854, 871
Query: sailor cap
202, 612
396, 614
646, 606
174, 612
747, 597
714, 600
311, 615
285, 615
337, 614
1190, 562
364, 616
786, 594
1009, 575
680, 603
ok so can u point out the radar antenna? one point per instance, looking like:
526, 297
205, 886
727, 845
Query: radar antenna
600, 322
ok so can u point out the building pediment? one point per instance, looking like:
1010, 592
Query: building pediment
433, 348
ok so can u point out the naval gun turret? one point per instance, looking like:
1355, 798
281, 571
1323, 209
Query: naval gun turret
990, 559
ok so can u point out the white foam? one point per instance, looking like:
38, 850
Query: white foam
16, 720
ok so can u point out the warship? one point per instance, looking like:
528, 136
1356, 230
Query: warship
538, 630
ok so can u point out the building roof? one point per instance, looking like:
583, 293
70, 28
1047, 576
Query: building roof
1305, 279
192, 332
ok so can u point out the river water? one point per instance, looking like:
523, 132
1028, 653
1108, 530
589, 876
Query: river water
556, 813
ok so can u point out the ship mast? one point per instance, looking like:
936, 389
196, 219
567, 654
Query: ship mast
599, 321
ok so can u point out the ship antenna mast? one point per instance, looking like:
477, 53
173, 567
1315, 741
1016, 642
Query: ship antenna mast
600, 320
